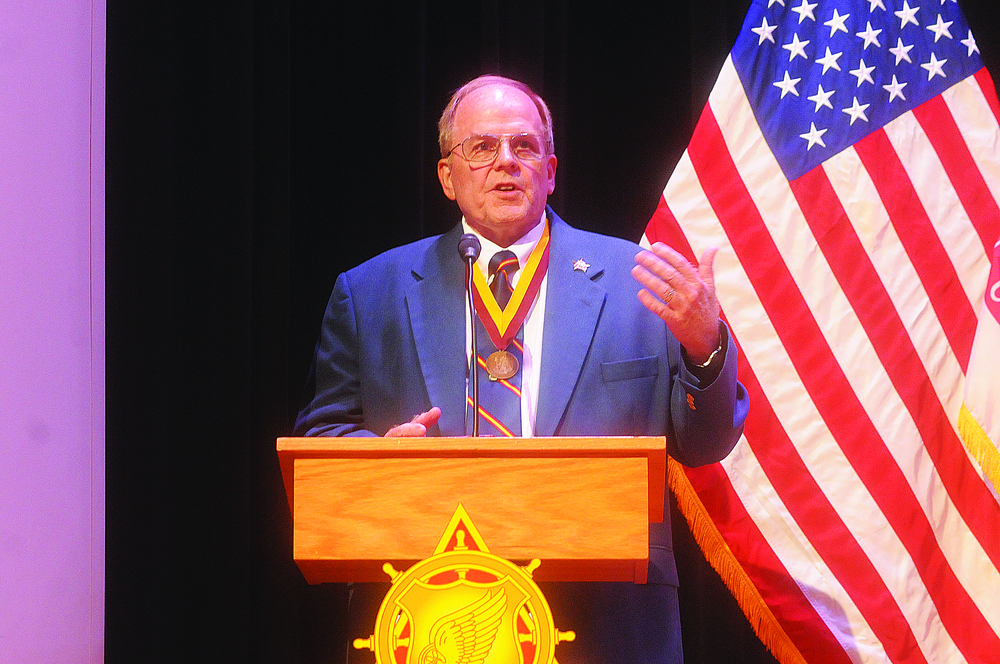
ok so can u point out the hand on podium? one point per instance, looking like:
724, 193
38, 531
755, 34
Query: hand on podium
417, 427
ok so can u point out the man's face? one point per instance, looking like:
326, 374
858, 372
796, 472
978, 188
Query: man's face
502, 199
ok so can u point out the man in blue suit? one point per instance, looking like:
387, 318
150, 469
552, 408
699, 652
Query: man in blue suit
596, 355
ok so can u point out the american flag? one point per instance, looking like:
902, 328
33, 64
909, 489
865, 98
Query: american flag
847, 166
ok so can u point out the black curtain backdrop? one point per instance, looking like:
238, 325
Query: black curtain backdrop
256, 150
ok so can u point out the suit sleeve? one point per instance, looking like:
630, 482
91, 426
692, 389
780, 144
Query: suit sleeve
332, 394
707, 419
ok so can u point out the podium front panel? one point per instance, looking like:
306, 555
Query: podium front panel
584, 514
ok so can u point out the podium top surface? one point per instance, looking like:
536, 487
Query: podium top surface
653, 447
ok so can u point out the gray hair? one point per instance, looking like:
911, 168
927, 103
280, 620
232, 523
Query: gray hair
447, 122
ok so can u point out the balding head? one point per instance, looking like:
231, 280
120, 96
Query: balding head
446, 125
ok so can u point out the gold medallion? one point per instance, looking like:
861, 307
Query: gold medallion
501, 365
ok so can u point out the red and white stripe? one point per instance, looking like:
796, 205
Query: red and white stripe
853, 295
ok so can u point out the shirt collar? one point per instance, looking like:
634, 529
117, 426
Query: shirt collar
522, 247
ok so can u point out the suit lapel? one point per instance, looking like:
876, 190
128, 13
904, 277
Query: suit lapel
436, 304
573, 305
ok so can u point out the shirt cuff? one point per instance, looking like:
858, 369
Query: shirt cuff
708, 372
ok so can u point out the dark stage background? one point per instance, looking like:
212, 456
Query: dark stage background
254, 151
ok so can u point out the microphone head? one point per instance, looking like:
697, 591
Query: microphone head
469, 247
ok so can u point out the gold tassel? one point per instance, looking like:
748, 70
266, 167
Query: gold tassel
723, 561
980, 446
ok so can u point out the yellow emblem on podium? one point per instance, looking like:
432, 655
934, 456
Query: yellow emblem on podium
464, 605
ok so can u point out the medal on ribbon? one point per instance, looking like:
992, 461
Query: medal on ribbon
502, 324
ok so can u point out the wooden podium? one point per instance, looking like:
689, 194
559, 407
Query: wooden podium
581, 505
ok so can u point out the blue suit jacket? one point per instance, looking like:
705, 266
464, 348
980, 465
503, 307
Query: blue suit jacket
393, 344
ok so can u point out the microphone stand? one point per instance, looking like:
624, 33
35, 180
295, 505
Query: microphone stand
469, 248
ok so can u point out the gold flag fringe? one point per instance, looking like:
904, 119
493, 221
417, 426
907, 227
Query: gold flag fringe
980, 446
765, 625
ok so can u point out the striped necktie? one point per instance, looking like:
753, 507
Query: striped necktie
499, 393
503, 265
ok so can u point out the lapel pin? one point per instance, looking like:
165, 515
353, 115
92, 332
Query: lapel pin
581, 265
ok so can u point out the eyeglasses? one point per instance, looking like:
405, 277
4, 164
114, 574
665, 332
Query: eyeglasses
485, 147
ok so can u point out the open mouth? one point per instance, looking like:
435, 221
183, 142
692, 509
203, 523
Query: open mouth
505, 187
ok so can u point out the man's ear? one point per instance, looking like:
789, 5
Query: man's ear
444, 176
550, 171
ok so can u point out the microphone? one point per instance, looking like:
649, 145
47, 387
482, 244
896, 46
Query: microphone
469, 248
